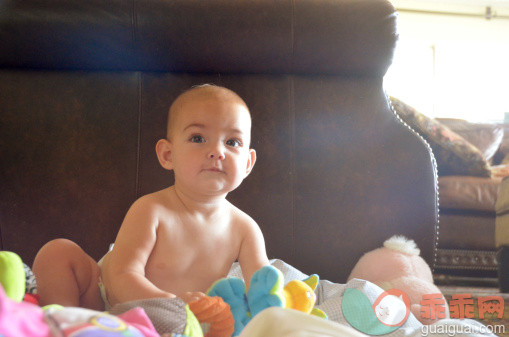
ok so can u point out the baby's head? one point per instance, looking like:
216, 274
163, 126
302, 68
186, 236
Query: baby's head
208, 138
202, 93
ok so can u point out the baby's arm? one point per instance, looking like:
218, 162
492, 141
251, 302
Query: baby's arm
253, 255
123, 271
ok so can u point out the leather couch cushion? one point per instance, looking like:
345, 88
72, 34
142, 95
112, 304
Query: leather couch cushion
502, 206
454, 155
195, 36
467, 230
502, 210
468, 193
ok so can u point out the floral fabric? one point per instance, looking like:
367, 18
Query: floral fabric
454, 155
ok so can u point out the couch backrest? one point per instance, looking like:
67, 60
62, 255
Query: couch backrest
84, 91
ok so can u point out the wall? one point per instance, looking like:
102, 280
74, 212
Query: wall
452, 65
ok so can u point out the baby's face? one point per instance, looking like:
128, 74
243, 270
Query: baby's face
210, 145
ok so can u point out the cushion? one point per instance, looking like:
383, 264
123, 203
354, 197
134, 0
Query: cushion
168, 315
500, 171
469, 193
504, 147
486, 137
502, 220
454, 154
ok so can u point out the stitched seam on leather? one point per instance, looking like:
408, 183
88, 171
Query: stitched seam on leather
138, 145
134, 24
292, 35
435, 172
291, 107
1, 238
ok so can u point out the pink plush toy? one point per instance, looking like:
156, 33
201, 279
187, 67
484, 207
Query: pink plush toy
397, 265
23, 319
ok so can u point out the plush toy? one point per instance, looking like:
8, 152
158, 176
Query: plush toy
300, 295
20, 316
23, 319
266, 291
397, 265
12, 275
216, 313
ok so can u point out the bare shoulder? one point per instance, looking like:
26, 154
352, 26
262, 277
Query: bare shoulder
155, 200
242, 220
142, 221
153, 205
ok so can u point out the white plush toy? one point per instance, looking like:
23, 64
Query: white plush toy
397, 265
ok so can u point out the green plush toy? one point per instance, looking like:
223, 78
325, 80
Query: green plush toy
12, 275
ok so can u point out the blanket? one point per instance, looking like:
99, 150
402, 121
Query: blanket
139, 319
330, 298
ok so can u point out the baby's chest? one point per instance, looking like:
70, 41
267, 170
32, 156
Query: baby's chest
188, 268
184, 253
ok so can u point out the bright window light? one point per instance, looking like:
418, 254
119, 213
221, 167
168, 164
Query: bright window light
455, 67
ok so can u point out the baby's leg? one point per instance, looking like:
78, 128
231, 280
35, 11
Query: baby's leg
66, 275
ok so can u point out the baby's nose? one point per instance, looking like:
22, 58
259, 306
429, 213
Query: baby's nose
217, 152
219, 156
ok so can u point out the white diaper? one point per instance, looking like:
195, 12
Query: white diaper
102, 288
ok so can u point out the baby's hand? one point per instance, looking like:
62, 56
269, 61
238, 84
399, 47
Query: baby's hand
192, 296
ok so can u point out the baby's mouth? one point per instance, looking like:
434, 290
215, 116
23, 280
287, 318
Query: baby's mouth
214, 169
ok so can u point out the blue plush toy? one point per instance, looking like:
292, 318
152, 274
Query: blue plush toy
266, 291
232, 291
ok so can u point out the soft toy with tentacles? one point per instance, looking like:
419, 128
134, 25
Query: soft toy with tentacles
266, 291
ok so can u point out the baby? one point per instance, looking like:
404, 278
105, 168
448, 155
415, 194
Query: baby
178, 241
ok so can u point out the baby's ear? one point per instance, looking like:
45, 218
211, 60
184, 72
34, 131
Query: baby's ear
163, 150
251, 159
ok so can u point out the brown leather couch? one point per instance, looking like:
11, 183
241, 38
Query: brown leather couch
84, 90
467, 249
466, 154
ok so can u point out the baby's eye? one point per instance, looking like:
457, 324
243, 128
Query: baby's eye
197, 139
233, 142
